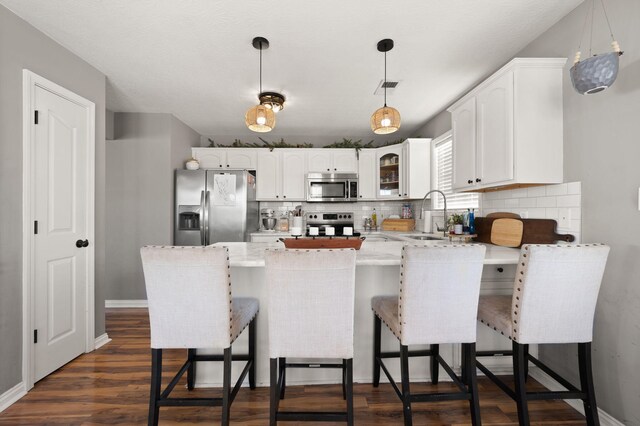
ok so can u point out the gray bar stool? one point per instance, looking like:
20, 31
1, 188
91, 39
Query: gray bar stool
554, 301
437, 303
311, 314
190, 306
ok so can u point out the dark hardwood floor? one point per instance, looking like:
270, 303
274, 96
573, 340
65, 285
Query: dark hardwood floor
111, 386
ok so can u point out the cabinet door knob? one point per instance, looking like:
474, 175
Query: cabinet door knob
335, 169
81, 244
478, 180
284, 196
361, 196
500, 270
277, 196
405, 194
399, 195
227, 165
469, 181
220, 165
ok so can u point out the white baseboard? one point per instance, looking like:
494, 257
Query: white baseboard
101, 340
12, 395
548, 382
140, 303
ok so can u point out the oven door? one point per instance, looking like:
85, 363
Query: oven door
327, 190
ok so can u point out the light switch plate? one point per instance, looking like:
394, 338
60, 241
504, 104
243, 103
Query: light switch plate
564, 218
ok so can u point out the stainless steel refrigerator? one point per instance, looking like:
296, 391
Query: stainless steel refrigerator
214, 206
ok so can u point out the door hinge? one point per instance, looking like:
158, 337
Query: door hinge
35, 336
35, 226
35, 120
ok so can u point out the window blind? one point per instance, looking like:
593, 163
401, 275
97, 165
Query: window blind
443, 179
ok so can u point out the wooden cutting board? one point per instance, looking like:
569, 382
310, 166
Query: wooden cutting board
507, 232
534, 231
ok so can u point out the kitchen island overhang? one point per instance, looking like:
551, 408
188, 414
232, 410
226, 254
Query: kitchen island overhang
377, 273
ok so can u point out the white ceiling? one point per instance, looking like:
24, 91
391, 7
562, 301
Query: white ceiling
194, 59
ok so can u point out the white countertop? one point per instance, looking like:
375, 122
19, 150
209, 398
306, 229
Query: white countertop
370, 254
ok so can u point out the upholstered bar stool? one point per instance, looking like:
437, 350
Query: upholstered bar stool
311, 314
554, 300
437, 303
190, 306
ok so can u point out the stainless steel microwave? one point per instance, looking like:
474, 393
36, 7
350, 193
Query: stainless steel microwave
332, 187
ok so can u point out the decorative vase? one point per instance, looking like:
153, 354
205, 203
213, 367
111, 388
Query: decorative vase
457, 229
595, 74
192, 164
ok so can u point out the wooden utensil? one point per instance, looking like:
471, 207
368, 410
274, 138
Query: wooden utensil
499, 215
507, 232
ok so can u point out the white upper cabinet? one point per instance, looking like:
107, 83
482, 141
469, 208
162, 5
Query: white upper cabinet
367, 174
226, 158
280, 175
325, 160
403, 171
416, 168
293, 174
507, 131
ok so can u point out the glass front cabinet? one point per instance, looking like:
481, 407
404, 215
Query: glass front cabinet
390, 169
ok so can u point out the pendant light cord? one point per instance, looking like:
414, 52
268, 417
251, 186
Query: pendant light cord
260, 67
593, 12
385, 78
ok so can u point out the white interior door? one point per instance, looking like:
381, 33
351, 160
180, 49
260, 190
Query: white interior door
61, 247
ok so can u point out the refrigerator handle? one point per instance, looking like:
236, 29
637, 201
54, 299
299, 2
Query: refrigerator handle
206, 218
202, 207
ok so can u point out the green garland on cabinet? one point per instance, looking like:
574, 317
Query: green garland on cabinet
344, 143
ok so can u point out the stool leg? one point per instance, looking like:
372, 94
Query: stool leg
586, 384
470, 373
156, 382
283, 371
226, 387
274, 394
191, 371
521, 387
349, 389
463, 365
344, 379
526, 363
252, 353
406, 393
377, 330
435, 365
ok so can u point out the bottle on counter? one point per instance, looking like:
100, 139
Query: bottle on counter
374, 219
472, 225
283, 223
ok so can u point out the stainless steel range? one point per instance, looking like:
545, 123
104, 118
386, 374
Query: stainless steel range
337, 220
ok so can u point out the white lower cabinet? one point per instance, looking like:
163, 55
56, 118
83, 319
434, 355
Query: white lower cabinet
280, 175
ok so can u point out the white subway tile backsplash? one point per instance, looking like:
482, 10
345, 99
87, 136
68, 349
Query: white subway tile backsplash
511, 202
574, 188
546, 202
560, 189
569, 201
536, 191
537, 213
498, 204
527, 202
518, 193
551, 213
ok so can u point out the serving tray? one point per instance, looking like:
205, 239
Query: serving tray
323, 242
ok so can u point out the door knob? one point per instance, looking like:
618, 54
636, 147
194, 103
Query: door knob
81, 243
478, 180
469, 181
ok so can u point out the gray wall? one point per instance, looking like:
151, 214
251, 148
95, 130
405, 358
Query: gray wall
140, 163
601, 150
22, 46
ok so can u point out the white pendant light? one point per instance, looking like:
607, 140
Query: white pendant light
385, 120
260, 118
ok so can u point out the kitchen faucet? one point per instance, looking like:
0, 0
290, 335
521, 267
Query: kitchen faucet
444, 226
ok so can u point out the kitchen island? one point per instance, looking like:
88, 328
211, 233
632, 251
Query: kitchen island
377, 273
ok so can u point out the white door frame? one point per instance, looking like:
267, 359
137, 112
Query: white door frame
30, 82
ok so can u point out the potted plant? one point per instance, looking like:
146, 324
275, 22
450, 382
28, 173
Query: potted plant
455, 221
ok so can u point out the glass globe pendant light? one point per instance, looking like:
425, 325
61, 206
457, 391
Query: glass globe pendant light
260, 118
385, 120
